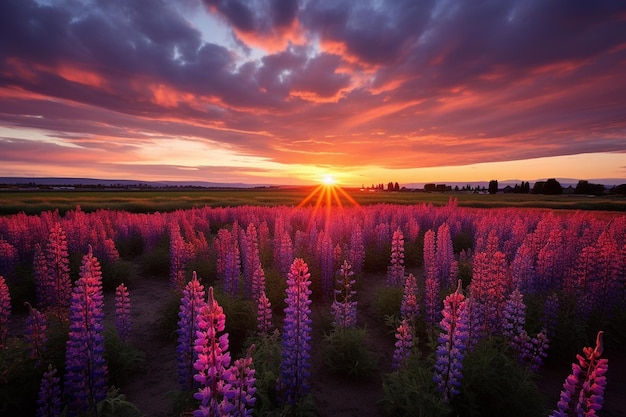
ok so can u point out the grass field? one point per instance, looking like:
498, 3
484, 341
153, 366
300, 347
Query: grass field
34, 202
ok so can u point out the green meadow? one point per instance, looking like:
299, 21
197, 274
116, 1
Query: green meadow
34, 202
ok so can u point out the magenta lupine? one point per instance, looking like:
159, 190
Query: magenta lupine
264, 314
583, 390
535, 350
250, 257
403, 345
258, 281
296, 358
395, 272
327, 263
180, 253
410, 309
49, 398
35, 332
58, 283
213, 361
242, 390
356, 253
5, 310
550, 317
514, 319
85, 366
344, 309
444, 255
122, 312
8, 259
190, 304
284, 253
431, 301
452, 344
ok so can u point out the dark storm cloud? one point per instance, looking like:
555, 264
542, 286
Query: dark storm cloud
380, 82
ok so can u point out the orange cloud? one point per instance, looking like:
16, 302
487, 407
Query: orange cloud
275, 40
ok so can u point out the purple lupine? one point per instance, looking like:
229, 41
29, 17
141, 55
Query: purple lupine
535, 350
258, 281
343, 308
8, 259
284, 253
49, 398
250, 260
190, 304
122, 312
5, 310
85, 366
180, 253
452, 343
327, 263
242, 390
403, 345
583, 390
410, 309
395, 272
514, 316
35, 332
264, 314
296, 358
431, 300
356, 253
444, 254
213, 361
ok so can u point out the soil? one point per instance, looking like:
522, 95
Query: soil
334, 395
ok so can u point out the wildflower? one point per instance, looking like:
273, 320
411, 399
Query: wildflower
410, 309
242, 390
5, 310
35, 333
49, 398
85, 367
58, 284
122, 312
190, 305
213, 361
583, 390
343, 308
264, 314
395, 273
452, 343
296, 358
404, 344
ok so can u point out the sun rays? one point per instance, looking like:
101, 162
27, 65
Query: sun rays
328, 196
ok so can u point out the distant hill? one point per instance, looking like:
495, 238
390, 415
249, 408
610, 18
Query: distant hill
565, 182
93, 182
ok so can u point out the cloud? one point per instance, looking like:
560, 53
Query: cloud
397, 84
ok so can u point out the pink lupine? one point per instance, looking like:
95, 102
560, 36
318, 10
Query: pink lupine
35, 333
213, 361
583, 390
356, 252
452, 344
180, 253
403, 345
58, 284
242, 390
122, 312
395, 272
8, 259
40, 274
264, 314
5, 310
444, 255
409, 309
284, 253
250, 260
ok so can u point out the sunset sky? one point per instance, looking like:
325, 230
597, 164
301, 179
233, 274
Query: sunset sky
287, 91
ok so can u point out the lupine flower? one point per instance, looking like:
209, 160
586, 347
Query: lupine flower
431, 299
8, 259
404, 344
85, 367
213, 363
356, 253
49, 398
410, 309
296, 358
58, 284
180, 253
40, 273
327, 263
284, 253
258, 281
535, 350
514, 319
122, 312
583, 390
190, 304
452, 343
264, 314
241, 386
395, 272
444, 254
343, 308
5, 310
35, 333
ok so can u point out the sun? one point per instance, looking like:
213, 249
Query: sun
329, 180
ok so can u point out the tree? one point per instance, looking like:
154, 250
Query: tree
552, 187
493, 186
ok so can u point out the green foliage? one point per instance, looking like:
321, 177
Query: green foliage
410, 391
123, 360
267, 358
168, 317
275, 286
115, 273
495, 385
388, 301
130, 247
116, 405
377, 260
345, 352
462, 241
240, 319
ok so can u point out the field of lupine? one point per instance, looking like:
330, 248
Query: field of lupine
443, 311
